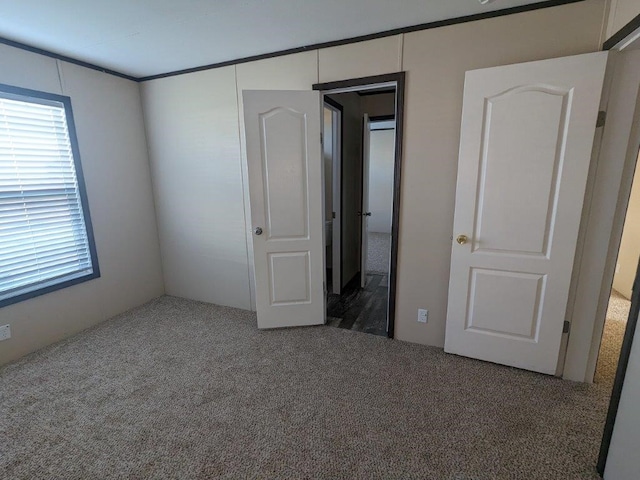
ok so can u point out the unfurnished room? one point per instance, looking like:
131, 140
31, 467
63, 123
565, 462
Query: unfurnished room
355, 239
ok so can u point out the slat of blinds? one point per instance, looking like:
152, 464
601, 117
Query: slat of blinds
35, 217
24, 278
18, 124
31, 213
25, 209
19, 144
60, 270
16, 252
8, 217
9, 112
27, 261
35, 208
40, 134
42, 231
18, 149
40, 237
36, 193
45, 268
49, 260
18, 255
37, 234
14, 122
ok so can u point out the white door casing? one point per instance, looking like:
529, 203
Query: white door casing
526, 139
366, 162
285, 171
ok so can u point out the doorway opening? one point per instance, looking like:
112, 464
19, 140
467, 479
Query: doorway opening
362, 132
621, 291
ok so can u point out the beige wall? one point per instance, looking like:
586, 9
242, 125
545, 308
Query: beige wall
109, 123
627, 262
194, 141
435, 61
620, 13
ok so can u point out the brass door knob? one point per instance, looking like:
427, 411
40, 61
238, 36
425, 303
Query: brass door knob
461, 239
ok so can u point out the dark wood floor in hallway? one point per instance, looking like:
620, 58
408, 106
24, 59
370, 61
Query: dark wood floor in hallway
361, 309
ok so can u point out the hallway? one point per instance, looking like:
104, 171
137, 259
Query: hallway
614, 327
361, 309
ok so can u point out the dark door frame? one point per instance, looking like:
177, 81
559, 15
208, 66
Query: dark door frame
399, 79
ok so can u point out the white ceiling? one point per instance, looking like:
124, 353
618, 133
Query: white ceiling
148, 37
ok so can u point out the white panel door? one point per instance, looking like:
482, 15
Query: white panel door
366, 162
284, 160
525, 148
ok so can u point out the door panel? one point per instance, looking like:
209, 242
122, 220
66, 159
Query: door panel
497, 318
285, 191
527, 123
283, 150
525, 147
282, 268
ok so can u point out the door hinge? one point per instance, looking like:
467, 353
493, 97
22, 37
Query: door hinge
333, 214
566, 327
602, 118
321, 139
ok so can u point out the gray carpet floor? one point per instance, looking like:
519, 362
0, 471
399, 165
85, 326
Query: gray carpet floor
378, 252
615, 325
185, 390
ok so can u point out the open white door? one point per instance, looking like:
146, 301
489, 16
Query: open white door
366, 161
525, 148
285, 189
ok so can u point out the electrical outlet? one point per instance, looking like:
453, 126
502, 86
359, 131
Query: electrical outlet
423, 315
5, 332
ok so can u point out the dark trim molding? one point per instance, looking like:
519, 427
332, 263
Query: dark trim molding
82, 192
358, 82
621, 34
623, 362
64, 58
382, 118
399, 78
334, 104
373, 36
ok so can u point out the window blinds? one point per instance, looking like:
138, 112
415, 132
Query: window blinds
43, 236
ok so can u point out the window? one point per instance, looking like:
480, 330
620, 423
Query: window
46, 240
